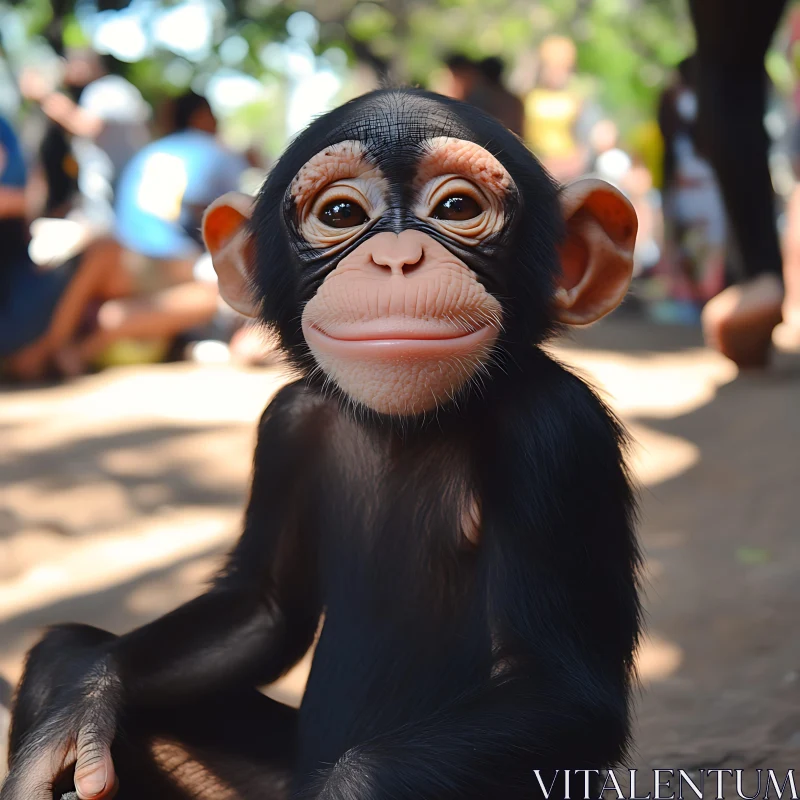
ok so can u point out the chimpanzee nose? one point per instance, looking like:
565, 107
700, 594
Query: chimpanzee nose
400, 252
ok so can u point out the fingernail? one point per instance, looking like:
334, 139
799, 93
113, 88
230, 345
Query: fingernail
92, 783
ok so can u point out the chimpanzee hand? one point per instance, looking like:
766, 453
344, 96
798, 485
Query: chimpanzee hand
75, 726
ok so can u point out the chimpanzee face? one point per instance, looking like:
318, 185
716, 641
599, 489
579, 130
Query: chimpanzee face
397, 229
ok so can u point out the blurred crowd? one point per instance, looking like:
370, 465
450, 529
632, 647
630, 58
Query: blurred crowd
102, 257
100, 210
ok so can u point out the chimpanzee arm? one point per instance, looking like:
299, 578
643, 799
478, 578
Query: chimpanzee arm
256, 621
560, 580
260, 616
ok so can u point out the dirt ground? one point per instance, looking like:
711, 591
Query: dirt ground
119, 492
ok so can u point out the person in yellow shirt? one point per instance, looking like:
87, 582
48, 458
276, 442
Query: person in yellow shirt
553, 110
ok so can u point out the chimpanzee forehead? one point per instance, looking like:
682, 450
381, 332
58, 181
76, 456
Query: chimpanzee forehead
398, 117
393, 127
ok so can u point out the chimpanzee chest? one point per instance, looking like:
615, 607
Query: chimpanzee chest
405, 627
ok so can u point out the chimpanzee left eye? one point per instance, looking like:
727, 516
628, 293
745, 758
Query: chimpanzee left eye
456, 208
343, 214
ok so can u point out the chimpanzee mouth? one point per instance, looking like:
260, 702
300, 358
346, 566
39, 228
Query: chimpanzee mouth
400, 336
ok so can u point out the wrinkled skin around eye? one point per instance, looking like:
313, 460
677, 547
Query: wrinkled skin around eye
446, 155
340, 172
454, 167
365, 195
471, 229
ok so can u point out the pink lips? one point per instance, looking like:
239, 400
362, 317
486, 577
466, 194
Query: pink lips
393, 338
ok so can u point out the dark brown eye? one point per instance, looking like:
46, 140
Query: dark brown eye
343, 214
457, 207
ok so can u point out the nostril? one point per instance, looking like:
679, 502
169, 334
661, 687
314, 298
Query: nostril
411, 265
381, 262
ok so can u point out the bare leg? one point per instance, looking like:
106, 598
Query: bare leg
162, 315
739, 321
234, 747
787, 335
100, 276
732, 40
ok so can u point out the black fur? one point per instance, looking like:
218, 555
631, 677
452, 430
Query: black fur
443, 671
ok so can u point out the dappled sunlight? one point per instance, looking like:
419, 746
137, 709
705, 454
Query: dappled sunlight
98, 561
655, 385
657, 457
657, 659
86, 483
113, 478
645, 388
169, 392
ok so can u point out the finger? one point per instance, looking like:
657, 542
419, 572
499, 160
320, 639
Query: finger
94, 769
31, 780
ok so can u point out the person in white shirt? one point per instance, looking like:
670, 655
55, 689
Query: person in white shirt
108, 125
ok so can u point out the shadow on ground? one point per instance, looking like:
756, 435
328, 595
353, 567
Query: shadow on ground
127, 459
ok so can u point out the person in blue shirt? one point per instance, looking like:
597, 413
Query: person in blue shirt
13, 228
165, 188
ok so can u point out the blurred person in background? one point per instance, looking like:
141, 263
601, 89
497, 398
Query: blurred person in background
57, 164
162, 194
608, 159
694, 265
491, 95
462, 77
133, 294
480, 83
102, 116
786, 335
558, 117
732, 41
60, 171
40, 305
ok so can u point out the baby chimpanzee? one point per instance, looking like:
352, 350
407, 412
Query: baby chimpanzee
450, 500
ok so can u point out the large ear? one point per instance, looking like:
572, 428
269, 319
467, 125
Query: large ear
227, 237
597, 253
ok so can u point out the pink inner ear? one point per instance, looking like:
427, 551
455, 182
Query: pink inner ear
220, 225
615, 215
574, 258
